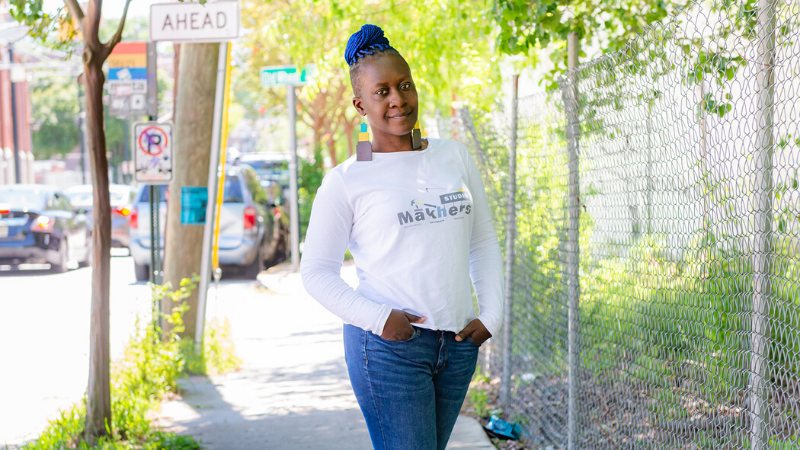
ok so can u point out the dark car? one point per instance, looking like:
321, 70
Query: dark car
39, 225
120, 196
276, 200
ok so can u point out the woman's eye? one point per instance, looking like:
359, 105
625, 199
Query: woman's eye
381, 92
405, 86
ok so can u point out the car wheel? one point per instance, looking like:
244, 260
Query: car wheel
142, 272
63, 258
251, 272
89, 250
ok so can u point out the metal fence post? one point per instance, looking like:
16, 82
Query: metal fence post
573, 232
762, 236
511, 234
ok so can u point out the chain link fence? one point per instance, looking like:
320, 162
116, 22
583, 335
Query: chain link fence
656, 279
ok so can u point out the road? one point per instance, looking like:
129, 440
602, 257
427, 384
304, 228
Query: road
44, 331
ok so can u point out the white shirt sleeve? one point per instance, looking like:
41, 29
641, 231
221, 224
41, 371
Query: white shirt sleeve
326, 241
485, 259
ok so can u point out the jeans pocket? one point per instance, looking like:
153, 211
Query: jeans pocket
472, 341
413, 336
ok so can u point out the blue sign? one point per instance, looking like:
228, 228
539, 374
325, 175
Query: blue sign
194, 200
127, 73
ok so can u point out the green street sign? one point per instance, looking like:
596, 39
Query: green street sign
273, 76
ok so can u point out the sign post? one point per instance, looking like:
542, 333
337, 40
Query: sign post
153, 164
211, 22
216, 172
290, 76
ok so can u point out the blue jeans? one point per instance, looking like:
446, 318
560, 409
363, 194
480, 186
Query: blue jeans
411, 391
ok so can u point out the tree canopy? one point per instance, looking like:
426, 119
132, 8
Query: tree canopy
527, 26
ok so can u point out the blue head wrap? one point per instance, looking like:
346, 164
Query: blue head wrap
360, 44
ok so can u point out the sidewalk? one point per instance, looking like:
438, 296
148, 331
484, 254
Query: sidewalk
293, 391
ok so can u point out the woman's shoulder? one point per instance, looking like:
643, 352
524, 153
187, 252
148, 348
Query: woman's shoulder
445, 146
443, 143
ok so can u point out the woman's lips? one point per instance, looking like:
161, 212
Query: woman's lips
401, 116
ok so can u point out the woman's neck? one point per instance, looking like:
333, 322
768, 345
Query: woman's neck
389, 143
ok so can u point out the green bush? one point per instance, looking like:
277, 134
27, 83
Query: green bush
152, 364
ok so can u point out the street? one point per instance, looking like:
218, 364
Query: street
44, 328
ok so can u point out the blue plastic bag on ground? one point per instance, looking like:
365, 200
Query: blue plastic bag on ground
503, 429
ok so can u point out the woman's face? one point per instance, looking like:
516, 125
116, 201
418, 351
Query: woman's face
388, 95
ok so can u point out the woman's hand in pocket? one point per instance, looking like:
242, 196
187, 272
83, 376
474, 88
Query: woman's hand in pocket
475, 330
398, 325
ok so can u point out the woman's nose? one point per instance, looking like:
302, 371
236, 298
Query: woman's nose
396, 98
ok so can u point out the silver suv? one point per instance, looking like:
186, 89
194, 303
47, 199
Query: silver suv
246, 225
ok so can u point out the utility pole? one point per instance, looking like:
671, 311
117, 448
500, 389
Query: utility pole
14, 120
291, 103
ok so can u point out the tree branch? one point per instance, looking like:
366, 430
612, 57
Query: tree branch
75, 11
109, 46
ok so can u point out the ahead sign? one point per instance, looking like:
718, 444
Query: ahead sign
191, 21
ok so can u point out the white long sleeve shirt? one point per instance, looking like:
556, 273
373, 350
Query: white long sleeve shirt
419, 228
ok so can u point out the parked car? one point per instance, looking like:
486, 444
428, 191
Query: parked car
120, 197
246, 225
39, 225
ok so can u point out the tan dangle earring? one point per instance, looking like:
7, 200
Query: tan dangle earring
416, 137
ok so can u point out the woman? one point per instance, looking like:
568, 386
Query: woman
415, 217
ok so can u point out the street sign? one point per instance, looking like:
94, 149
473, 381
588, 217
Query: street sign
194, 201
273, 76
127, 79
152, 155
191, 21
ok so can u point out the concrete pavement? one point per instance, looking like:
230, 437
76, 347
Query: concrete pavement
293, 391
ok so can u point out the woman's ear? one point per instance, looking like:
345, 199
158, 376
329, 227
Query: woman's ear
359, 107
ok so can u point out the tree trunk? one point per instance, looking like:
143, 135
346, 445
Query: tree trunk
98, 406
193, 125
332, 149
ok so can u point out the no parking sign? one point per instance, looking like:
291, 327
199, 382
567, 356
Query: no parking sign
153, 152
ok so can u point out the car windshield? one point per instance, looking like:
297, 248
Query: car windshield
79, 198
233, 190
117, 195
270, 170
23, 199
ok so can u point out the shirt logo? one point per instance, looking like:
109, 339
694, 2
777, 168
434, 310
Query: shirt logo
453, 206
